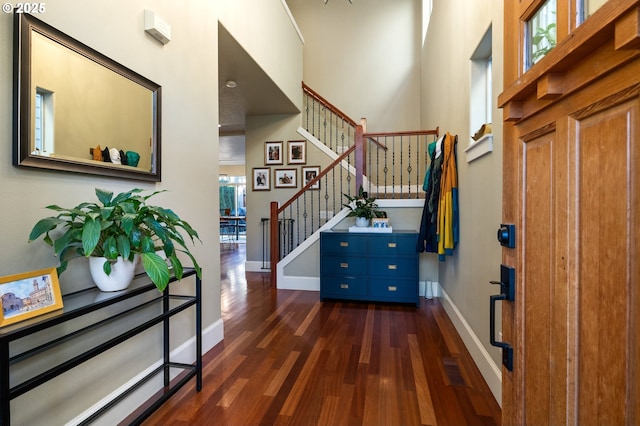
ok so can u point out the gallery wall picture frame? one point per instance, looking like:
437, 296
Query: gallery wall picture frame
261, 178
273, 153
309, 173
286, 178
297, 152
29, 294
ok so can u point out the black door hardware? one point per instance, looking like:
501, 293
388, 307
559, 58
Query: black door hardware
507, 292
507, 235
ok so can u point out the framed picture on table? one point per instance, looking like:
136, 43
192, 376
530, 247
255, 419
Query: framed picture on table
28, 295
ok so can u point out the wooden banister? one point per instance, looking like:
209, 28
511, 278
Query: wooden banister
317, 178
435, 132
274, 245
309, 91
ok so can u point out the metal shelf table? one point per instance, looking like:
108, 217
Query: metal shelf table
119, 316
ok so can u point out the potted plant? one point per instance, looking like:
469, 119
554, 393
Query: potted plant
362, 207
124, 227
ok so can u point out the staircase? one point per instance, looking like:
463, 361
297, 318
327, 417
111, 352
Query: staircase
389, 166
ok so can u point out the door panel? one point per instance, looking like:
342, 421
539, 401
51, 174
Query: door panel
537, 281
606, 246
544, 296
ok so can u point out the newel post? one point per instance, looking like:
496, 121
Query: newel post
361, 154
274, 246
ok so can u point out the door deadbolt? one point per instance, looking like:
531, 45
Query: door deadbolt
507, 235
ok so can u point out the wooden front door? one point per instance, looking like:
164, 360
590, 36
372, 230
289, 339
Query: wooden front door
572, 188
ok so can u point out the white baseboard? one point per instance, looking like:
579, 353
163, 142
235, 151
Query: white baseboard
299, 283
185, 353
257, 266
490, 371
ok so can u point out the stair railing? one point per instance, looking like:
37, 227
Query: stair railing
326, 122
386, 165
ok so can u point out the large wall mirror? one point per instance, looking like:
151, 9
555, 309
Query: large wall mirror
80, 111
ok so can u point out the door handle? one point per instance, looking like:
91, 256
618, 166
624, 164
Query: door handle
507, 292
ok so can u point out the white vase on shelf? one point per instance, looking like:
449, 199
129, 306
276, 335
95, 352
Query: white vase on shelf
362, 222
121, 275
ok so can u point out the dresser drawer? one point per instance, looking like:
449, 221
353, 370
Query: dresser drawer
343, 265
392, 267
343, 287
369, 266
390, 289
342, 243
392, 245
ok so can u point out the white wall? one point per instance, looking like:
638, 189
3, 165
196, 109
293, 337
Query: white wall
455, 30
364, 58
186, 68
264, 29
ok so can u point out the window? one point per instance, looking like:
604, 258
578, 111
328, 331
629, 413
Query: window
540, 34
43, 122
427, 8
233, 195
37, 133
587, 8
481, 98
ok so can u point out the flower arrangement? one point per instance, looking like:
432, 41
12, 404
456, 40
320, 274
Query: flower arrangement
362, 206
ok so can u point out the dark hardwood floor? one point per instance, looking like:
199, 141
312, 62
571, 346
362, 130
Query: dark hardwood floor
289, 359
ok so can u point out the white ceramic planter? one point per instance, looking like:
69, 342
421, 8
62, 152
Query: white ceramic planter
121, 275
362, 222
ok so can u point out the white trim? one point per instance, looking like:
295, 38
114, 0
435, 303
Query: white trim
299, 283
185, 353
293, 21
326, 150
491, 373
482, 146
257, 266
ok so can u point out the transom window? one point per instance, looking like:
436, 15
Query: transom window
541, 35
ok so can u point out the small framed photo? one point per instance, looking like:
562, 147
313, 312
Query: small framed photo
273, 153
261, 178
286, 178
380, 222
297, 152
28, 295
310, 173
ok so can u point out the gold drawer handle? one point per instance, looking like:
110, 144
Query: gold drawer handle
393, 267
391, 245
393, 288
344, 286
344, 244
344, 265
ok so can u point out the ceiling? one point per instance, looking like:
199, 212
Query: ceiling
255, 94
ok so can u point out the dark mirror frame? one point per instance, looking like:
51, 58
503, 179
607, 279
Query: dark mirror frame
24, 26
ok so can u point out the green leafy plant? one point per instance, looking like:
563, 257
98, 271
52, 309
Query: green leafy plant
362, 206
124, 226
543, 41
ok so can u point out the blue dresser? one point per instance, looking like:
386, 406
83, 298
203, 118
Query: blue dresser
380, 267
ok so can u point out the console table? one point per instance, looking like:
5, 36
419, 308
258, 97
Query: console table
119, 316
371, 266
